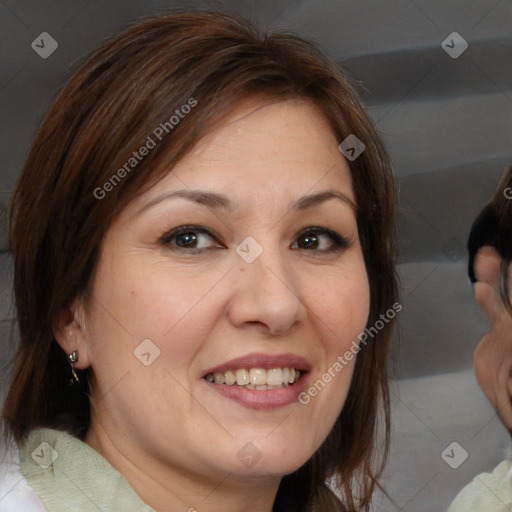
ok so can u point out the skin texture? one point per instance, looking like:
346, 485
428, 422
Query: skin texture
493, 355
172, 436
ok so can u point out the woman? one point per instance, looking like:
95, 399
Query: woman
194, 252
490, 255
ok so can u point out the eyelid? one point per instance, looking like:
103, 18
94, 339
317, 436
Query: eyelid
340, 242
166, 238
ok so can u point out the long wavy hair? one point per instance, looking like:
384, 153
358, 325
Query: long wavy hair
105, 112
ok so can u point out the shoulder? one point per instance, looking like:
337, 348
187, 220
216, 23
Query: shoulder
15, 493
488, 492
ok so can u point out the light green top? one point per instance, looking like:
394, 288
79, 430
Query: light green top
488, 492
69, 476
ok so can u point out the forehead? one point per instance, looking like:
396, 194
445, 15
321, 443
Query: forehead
264, 150
255, 121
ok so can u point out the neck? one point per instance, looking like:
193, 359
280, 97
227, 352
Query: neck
166, 487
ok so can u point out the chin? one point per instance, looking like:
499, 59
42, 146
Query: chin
266, 460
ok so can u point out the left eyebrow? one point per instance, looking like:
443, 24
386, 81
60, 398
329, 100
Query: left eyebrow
311, 200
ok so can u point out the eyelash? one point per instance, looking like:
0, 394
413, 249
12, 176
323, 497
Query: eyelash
339, 243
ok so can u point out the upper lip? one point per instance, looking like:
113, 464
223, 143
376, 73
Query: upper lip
265, 361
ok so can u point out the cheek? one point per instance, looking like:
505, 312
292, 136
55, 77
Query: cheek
344, 309
147, 324
150, 299
176, 311
342, 312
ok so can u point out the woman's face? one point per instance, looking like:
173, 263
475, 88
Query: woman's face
244, 262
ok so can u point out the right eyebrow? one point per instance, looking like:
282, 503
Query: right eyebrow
309, 201
210, 199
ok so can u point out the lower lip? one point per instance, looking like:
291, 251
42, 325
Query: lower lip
262, 399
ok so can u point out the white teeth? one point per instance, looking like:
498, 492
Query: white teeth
256, 378
274, 377
219, 378
230, 378
242, 377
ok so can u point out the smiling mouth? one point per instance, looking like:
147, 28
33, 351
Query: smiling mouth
258, 379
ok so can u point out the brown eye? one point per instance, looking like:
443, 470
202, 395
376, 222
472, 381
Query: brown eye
319, 239
195, 239
309, 241
187, 240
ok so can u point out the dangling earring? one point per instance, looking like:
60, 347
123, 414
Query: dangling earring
73, 358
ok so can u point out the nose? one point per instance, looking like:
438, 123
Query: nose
267, 293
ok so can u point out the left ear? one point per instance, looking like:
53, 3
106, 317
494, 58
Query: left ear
70, 332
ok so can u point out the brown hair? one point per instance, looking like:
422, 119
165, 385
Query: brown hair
106, 111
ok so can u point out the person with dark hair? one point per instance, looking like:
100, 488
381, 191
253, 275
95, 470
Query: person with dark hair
202, 233
490, 255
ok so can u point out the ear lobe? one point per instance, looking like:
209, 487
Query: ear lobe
69, 331
489, 300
